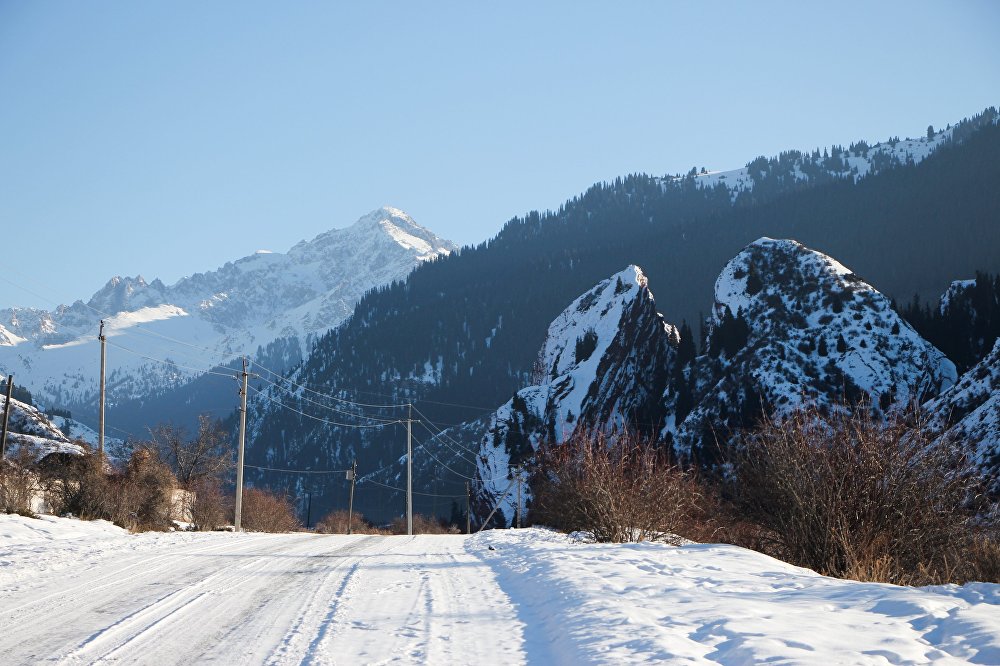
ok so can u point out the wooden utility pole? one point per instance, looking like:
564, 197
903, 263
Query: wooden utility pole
468, 508
100, 412
6, 416
239, 454
409, 471
352, 475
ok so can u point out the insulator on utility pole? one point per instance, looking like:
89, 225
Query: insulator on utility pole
6, 416
100, 411
409, 471
239, 454
352, 475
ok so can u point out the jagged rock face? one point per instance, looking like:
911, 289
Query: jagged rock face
30, 430
245, 307
790, 327
605, 365
969, 412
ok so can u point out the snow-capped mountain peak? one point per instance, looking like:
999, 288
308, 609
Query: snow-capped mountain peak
236, 309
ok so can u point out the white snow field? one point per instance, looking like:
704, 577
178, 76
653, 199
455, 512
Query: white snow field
73, 592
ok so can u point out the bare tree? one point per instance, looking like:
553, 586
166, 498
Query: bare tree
207, 456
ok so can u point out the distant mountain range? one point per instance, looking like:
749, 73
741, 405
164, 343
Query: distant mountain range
268, 303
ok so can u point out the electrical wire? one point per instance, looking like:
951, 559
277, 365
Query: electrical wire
298, 471
403, 490
316, 418
326, 395
170, 363
319, 404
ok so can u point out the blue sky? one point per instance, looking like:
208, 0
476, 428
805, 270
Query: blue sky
166, 138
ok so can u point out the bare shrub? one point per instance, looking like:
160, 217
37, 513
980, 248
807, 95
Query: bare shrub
264, 511
76, 484
619, 489
335, 522
136, 497
17, 484
856, 494
422, 525
211, 506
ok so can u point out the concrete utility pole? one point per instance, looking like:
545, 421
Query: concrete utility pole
409, 471
239, 455
6, 416
100, 413
352, 475
468, 508
519, 497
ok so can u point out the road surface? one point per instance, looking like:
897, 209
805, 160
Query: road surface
279, 599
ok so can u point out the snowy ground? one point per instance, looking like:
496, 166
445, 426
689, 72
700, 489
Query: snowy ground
75, 592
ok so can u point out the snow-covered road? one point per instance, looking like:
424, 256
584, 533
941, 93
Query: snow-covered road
73, 592
283, 599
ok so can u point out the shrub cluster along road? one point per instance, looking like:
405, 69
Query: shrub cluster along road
74, 592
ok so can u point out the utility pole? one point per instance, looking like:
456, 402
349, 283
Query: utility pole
409, 471
100, 413
6, 416
468, 508
239, 455
352, 475
309, 507
519, 497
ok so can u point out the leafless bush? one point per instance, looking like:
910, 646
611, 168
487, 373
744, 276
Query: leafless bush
136, 497
76, 484
856, 494
17, 484
265, 511
210, 506
621, 489
422, 525
335, 522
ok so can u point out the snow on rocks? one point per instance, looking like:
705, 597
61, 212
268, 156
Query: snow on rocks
30, 429
969, 412
604, 364
792, 326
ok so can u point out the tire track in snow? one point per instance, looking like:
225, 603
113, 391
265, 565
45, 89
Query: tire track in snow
246, 601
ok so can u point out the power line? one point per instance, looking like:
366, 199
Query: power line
326, 395
319, 404
316, 418
403, 490
299, 471
170, 363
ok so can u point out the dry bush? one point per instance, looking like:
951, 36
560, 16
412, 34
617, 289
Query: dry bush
136, 497
335, 522
422, 525
18, 484
264, 511
211, 507
76, 484
619, 489
856, 494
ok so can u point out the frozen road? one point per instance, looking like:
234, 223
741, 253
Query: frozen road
283, 599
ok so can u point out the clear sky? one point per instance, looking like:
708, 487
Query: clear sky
165, 138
